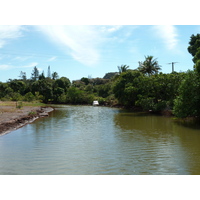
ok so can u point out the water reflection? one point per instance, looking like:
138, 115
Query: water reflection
100, 140
163, 141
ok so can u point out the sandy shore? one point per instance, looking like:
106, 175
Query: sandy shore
12, 118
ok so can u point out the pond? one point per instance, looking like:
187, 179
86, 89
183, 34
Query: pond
86, 140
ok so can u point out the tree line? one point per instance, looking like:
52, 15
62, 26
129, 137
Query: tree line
144, 88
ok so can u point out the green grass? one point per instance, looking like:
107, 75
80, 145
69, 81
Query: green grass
33, 103
32, 113
13, 103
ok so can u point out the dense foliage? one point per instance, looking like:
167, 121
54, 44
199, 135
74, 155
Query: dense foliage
128, 88
188, 101
56, 90
150, 66
187, 104
144, 88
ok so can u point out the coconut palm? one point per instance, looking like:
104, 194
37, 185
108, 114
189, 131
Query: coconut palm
123, 68
150, 66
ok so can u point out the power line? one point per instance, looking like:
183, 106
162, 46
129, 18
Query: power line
172, 63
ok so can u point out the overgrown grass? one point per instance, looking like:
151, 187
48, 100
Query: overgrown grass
8, 110
19, 104
32, 113
24, 103
33, 103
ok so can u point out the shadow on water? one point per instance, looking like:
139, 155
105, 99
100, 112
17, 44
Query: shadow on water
192, 124
187, 123
146, 122
171, 143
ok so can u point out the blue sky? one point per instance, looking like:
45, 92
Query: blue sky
77, 51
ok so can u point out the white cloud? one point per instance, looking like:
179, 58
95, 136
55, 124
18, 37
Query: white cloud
31, 65
169, 35
7, 67
22, 58
52, 58
80, 42
9, 32
83, 43
111, 29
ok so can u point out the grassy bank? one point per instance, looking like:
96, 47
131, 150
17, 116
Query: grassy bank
14, 115
24, 103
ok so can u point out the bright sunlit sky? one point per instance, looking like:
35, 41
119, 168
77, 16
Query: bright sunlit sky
77, 51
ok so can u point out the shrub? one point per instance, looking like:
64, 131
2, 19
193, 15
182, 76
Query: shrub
29, 97
16, 96
32, 113
188, 101
19, 104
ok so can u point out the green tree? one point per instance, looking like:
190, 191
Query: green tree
187, 102
197, 66
158, 92
123, 68
194, 50
98, 81
23, 76
75, 96
55, 75
58, 91
15, 96
194, 45
17, 85
150, 66
35, 74
104, 90
3, 86
126, 89
28, 97
63, 83
7, 94
85, 80
42, 76
44, 87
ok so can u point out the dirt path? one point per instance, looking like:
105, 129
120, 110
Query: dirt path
12, 118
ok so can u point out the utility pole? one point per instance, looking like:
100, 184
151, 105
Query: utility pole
172, 63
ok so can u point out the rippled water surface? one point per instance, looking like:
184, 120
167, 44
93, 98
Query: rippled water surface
101, 140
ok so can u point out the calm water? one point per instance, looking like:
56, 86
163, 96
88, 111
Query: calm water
99, 140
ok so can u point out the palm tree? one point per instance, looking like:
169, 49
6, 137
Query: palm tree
150, 66
55, 75
122, 68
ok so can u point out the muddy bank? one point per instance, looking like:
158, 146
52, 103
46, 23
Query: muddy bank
12, 119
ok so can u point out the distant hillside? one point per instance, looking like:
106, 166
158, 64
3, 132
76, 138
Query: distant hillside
110, 75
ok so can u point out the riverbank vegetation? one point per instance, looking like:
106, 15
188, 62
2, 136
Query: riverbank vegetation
142, 88
14, 115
